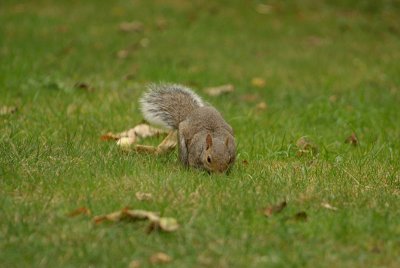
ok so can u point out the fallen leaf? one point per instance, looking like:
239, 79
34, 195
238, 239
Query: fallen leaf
134, 26
122, 54
143, 196
84, 86
144, 131
156, 222
164, 223
300, 216
333, 98
315, 41
305, 145
274, 209
138, 214
169, 224
376, 250
134, 264
126, 141
258, 82
216, 91
130, 136
4, 110
328, 206
160, 258
79, 211
352, 139
72, 108
161, 24
261, 106
109, 136
263, 9
115, 216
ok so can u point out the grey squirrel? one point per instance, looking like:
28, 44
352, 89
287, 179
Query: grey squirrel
205, 140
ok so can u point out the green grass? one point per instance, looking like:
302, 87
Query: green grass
330, 70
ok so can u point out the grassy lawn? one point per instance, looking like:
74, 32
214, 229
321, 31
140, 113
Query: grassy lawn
330, 70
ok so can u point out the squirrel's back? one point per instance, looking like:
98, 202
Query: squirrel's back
168, 104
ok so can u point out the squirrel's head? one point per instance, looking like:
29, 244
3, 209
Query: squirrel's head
219, 155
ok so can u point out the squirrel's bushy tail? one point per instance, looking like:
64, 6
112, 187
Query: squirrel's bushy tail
168, 104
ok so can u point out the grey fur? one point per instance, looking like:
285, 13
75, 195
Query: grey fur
205, 140
168, 104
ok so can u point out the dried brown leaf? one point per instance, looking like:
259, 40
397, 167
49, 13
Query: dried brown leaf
143, 196
305, 145
168, 224
217, 91
329, 206
333, 98
79, 211
133, 26
161, 24
160, 258
274, 209
315, 40
144, 131
155, 221
84, 86
352, 139
4, 110
115, 216
122, 54
109, 136
258, 82
134, 264
262, 106
126, 142
127, 138
300, 216
137, 214
264, 9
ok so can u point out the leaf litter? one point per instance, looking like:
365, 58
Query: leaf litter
84, 86
219, 90
258, 82
133, 26
79, 211
160, 258
300, 216
306, 146
274, 209
166, 224
5, 110
143, 196
133, 134
329, 206
352, 139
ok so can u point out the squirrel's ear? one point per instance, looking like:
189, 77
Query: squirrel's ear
208, 141
227, 141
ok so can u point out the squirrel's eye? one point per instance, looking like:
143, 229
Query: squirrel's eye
208, 159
